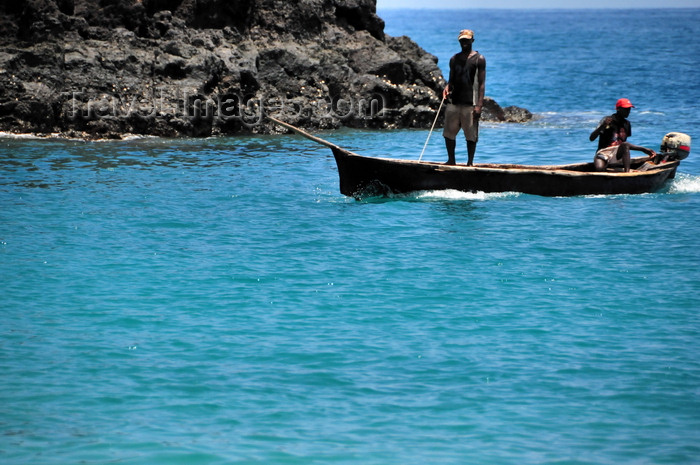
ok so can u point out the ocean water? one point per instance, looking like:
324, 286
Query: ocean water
218, 301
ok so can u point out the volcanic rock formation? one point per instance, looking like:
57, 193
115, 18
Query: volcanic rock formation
105, 68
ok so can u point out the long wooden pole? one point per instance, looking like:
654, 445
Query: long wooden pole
431, 129
301, 132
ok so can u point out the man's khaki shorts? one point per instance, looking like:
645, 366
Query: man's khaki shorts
460, 117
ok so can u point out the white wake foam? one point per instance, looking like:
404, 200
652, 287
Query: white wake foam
685, 184
451, 194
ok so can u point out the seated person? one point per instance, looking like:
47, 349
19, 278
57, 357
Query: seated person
613, 131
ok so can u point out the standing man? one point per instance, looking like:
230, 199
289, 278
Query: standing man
613, 131
465, 88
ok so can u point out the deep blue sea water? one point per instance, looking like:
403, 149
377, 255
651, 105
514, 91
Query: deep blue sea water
218, 301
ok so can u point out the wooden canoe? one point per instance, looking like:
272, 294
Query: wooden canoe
362, 176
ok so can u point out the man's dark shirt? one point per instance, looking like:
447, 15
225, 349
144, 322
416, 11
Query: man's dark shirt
610, 133
463, 77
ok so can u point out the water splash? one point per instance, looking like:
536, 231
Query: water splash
451, 194
685, 184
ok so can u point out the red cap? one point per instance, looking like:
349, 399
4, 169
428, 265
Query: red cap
624, 103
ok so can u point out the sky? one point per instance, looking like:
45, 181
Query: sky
463, 4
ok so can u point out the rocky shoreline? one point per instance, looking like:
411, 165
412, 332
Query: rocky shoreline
102, 69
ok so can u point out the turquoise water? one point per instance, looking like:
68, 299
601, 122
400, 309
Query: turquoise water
218, 301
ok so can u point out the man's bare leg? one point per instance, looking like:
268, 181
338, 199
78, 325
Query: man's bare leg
471, 150
600, 164
624, 153
451, 145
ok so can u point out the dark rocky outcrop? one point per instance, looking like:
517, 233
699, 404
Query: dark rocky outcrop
104, 68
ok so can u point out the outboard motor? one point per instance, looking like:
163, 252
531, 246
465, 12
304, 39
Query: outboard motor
674, 146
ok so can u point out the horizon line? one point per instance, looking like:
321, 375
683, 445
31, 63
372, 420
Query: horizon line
542, 8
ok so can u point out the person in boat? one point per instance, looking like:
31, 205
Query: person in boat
612, 134
465, 93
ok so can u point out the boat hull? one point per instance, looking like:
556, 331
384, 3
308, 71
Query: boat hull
368, 176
